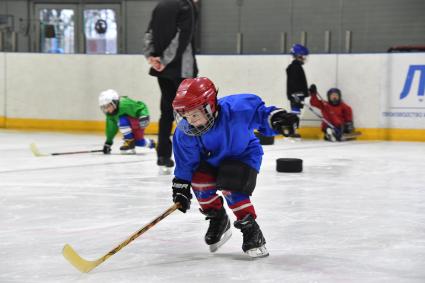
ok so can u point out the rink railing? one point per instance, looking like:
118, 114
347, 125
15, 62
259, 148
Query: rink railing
59, 92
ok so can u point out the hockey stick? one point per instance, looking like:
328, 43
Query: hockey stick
350, 136
37, 153
86, 265
315, 113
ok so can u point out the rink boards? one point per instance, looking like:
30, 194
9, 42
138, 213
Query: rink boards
59, 92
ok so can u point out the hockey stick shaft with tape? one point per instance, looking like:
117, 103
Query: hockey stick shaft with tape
86, 265
36, 152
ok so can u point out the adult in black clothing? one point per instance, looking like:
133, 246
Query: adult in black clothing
170, 50
296, 83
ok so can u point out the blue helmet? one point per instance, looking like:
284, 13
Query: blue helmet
299, 50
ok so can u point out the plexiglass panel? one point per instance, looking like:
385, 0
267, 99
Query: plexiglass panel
100, 29
57, 30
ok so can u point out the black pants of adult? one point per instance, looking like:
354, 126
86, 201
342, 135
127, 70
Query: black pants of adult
168, 88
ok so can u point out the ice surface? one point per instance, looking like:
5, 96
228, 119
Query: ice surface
356, 214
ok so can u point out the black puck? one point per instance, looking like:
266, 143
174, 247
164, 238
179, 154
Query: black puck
265, 140
289, 165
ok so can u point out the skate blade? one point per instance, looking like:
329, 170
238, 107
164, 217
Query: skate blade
258, 252
163, 170
128, 152
226, 236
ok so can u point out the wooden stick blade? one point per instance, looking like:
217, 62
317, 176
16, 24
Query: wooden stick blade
350, 136
35, 150
86, 265
78, 262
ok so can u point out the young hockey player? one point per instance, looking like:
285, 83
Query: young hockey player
335, 112
296, 82
126, 115
215, 149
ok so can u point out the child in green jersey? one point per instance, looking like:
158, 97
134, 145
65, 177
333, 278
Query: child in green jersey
128, 116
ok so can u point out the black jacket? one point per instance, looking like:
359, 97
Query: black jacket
296, 82
170, 35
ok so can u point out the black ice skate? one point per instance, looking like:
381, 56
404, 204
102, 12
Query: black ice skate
253, 240
165, 164
219, 230
295, 136
128, 146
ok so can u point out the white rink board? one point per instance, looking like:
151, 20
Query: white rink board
66, 87
360, 78
259, 74
2, 84
407, 111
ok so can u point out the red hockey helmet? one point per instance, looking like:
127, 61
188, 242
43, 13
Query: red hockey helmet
196, 93
193, 93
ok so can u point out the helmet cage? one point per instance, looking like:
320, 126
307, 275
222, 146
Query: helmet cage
104, 107
191, 130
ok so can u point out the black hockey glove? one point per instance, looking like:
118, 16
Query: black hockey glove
181, 194
348, 127
106, 148
283, 122
312, 89
144, 121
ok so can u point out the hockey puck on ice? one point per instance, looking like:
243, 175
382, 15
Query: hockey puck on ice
264, 140
289, 165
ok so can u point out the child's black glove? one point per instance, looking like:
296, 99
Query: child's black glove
181, 194
348, 127
312, 89
107, 148
283, 122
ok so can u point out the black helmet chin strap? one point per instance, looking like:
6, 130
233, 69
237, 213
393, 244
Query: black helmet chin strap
116, 104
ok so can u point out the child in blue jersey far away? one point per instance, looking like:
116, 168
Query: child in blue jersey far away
215, 149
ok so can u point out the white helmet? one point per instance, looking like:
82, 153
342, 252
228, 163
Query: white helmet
107, 97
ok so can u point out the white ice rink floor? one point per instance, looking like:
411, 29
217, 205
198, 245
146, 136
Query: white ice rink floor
356, 214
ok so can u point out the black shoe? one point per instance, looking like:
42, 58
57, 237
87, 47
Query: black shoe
219, 230
165, 161
253, 240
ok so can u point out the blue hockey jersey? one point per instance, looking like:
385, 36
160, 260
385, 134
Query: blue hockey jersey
231, 137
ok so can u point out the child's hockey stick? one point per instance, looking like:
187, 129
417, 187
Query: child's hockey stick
317, 114
87, 265
37, 153
350, 136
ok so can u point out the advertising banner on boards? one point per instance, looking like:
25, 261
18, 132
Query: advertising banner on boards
404, 104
